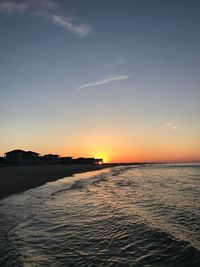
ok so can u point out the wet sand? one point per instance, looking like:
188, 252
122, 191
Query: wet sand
16, 179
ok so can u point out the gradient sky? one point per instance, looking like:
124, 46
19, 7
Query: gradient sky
117, 79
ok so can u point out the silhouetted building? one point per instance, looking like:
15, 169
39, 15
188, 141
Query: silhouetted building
19, 156
31, 157
15, 156
66, 160
2, 160
88, 161
51, 159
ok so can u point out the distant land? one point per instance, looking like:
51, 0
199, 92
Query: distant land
22, 170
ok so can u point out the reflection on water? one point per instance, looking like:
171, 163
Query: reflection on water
125, 216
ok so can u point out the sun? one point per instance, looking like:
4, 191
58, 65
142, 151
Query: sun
103, 156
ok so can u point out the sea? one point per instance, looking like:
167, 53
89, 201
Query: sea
145, 215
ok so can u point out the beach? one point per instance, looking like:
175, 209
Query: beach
14, 179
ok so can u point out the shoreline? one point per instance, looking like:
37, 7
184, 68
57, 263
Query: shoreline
16, 179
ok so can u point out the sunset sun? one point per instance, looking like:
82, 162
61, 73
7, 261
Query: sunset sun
103, 156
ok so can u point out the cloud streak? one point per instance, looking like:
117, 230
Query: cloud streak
49, 4
46, 9
105, 80
172, 126
9, 7
68, 24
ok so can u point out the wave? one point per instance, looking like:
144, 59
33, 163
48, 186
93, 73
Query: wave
109, 243
125, 216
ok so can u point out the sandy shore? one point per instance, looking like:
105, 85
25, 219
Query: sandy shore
20, 178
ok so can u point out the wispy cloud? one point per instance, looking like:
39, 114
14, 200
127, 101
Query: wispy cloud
46, 9
9, 7
49, 4
105, 81
68, 23
117, 62
172, 125
19, 6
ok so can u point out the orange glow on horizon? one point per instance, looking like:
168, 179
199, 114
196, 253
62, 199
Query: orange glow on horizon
124, 154
116, 146
103, 155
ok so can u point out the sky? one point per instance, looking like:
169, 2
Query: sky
117, 79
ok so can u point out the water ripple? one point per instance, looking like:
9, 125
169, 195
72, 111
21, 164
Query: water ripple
145, 216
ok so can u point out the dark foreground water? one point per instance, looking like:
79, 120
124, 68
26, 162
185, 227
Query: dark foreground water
124, 216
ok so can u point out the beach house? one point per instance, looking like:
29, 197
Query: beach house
88, 161
51, 159
66, 160
19, 156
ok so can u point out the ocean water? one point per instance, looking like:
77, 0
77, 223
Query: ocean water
123, 216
